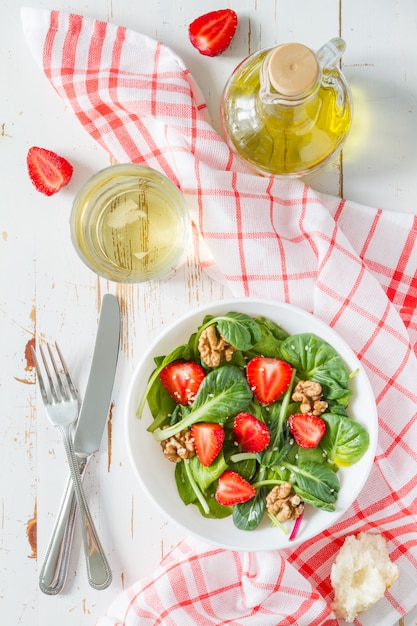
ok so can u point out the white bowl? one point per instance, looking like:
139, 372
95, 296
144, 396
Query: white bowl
156, 474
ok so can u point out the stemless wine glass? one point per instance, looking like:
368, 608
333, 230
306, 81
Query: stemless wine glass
130, 224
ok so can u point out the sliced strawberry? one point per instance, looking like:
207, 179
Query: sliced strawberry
307, 429
233, 489
268, 378
250, 434
182, 380
208, 440
48, 171
212, 32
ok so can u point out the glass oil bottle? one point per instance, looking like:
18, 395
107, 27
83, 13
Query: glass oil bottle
288, 110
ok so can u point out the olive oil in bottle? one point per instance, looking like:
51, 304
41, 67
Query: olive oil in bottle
286, 110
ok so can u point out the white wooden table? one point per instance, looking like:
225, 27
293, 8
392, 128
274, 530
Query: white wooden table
46, 291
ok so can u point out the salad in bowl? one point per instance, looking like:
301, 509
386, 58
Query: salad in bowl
251, 424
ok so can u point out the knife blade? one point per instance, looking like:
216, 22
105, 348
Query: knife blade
87, 439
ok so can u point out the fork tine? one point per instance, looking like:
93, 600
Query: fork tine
42, 387
52, 386
71, 385
65, 395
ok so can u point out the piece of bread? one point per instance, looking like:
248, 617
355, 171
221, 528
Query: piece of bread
361, 574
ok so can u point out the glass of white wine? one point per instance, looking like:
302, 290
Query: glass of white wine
130, 224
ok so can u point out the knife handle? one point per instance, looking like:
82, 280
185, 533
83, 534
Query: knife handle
54, 569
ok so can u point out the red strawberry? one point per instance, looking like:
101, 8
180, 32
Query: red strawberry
307, 429
250, 434
182, 380
212, 33
233, 489
47, 170
268, 378
208, 441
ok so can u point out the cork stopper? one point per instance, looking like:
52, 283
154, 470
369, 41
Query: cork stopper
293, 69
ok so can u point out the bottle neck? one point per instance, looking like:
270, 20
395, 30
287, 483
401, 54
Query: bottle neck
296, 105
289, 80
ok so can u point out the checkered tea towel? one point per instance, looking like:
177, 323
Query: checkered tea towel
352, 266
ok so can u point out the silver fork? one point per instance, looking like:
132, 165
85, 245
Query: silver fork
61, 406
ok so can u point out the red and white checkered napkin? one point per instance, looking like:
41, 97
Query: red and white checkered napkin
352, 266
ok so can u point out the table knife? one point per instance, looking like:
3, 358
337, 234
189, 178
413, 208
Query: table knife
87, 439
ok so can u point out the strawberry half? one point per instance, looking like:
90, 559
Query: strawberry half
182, 380
48, 171
233, 489
212, 32
208, 440
307, 429
250, 434
268, 378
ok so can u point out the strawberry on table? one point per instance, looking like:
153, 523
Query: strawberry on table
233, 489
212, 32
268, 378
307, 429
48, 171
208, 440
182, 380
249, 433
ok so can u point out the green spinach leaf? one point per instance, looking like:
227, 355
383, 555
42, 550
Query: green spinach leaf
215, 510
223, 393
320, 481
190, 493
161, 405
239, 329
205, 476
316, 502
248, 515
345, 440
317, 360
302, 455
185, 490
153, 388
269, 344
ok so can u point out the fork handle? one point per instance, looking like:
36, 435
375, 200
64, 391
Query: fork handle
54, 568
98, 570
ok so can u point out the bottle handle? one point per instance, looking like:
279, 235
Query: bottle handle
330, 53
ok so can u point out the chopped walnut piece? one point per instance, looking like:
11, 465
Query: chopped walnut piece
179, 446
309, 394
213, 347
282, 502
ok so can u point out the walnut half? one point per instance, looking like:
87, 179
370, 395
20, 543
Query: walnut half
309, 394
284, 503
179, 446
213, 347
